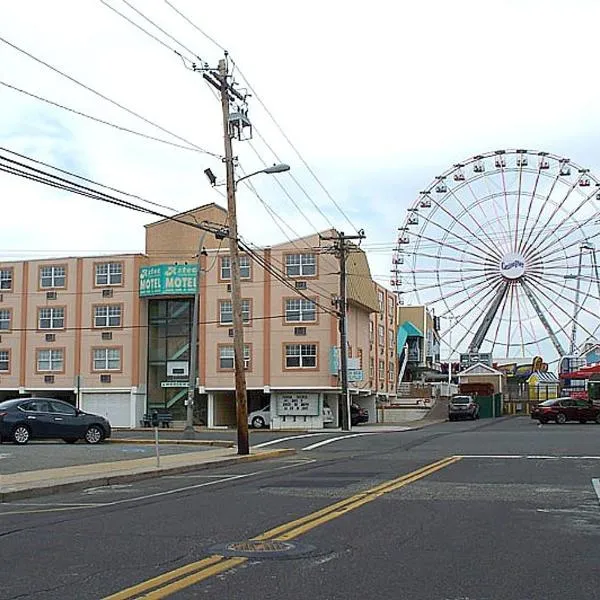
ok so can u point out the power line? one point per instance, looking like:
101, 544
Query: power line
97, 119
208, 37
106, 98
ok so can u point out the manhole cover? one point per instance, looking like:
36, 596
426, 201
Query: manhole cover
262, 549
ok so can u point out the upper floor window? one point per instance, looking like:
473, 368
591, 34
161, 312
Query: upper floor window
227, 357
51, 318
380, 300
6, 279
4, 360
4, 319
107, 315
381, 333
303, 356
226, 312
50, 360
391, 339
370, 331
300, 265
381, 370
53, 277
245, 272
109, 273
106, 359
300, 310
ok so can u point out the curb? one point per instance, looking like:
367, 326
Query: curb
147, 442
105, 480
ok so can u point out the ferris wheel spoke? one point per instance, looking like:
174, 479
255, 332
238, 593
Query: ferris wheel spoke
447, 282
540, 211
520, 320
506, 204
509, 330
493, 250
485, 324
543, 230
443, 257
484, 287
504, 234
447, 245
529, 207
518, 208
499, 323
549, 284
563, 247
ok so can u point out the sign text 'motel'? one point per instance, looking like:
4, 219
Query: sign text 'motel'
168, 280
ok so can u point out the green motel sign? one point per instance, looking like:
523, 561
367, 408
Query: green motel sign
168, 280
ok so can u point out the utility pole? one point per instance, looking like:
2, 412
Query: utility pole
241, 401
341, 249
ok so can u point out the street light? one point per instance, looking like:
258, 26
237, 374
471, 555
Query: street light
279, 168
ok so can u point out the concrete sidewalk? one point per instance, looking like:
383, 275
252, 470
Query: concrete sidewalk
30, 484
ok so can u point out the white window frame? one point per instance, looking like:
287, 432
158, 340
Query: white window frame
246, 311
225, 266
381, 334
381, 370
108, 315
302, 352
106, 359
300, 310
54, 315
54, 358
113, 274
245, 267
300, 265
4, 359
6, 276
51, 274
5, 318
390, 339
227, 353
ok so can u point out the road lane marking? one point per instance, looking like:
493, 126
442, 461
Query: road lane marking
337, 439
532, 456
596, 485
149, 496
183, 577
286, 439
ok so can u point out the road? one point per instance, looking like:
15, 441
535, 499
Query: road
489, 510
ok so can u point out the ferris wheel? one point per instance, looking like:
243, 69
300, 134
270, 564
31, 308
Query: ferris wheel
503, 246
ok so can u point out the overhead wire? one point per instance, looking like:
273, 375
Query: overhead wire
106, 98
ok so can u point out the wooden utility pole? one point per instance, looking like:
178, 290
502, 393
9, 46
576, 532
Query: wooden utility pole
341, 249
241, 401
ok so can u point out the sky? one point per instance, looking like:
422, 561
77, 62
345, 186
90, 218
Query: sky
378, 99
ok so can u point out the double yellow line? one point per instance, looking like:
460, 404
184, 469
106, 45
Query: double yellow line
179, 579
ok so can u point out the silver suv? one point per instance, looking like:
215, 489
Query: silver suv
463, 407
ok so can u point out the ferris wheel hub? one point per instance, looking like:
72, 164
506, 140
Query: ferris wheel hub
512, 266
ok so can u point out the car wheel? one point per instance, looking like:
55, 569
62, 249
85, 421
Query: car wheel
258, 422
598, 418
94, 434
21, 434
70, 440
561, 418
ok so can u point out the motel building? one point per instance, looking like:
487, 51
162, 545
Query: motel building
111, 334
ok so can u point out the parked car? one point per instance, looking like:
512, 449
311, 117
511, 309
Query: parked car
27, 419
463, 407
562, 410
358, 414
262, 418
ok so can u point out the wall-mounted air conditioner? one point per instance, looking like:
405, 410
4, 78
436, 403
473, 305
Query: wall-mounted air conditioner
177, 368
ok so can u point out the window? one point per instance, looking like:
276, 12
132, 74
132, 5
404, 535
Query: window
109, 273
225, 267
303, 356
245, 272
371, 331
299, 265
226, 357
391, 307
52, 277
371, 367
51, 318
6, 276
226, 312
391, 339
4, 319
381, 370
62, 408
50, 360
4, 361
106, 359
300, 310
107, 315
381, 332
391, 372
380, 300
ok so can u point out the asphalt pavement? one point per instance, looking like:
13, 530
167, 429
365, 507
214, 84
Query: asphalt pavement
487, 510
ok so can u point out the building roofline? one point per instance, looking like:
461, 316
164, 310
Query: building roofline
188, 212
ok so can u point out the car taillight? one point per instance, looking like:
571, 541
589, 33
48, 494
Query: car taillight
3, 414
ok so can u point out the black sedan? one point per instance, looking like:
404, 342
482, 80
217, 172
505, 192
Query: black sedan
25, 419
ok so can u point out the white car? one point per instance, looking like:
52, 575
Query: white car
262, 418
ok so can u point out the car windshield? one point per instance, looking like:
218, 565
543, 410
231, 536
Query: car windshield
548, 403
461, 400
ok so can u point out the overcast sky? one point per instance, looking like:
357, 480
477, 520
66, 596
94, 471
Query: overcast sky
378, 97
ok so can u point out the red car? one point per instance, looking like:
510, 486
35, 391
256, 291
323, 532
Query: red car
562, 410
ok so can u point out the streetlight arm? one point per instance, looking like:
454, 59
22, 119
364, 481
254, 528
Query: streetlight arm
280, 168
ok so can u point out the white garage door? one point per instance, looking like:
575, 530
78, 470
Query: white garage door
115, 407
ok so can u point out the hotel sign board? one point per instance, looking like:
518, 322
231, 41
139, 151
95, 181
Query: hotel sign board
168, 280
